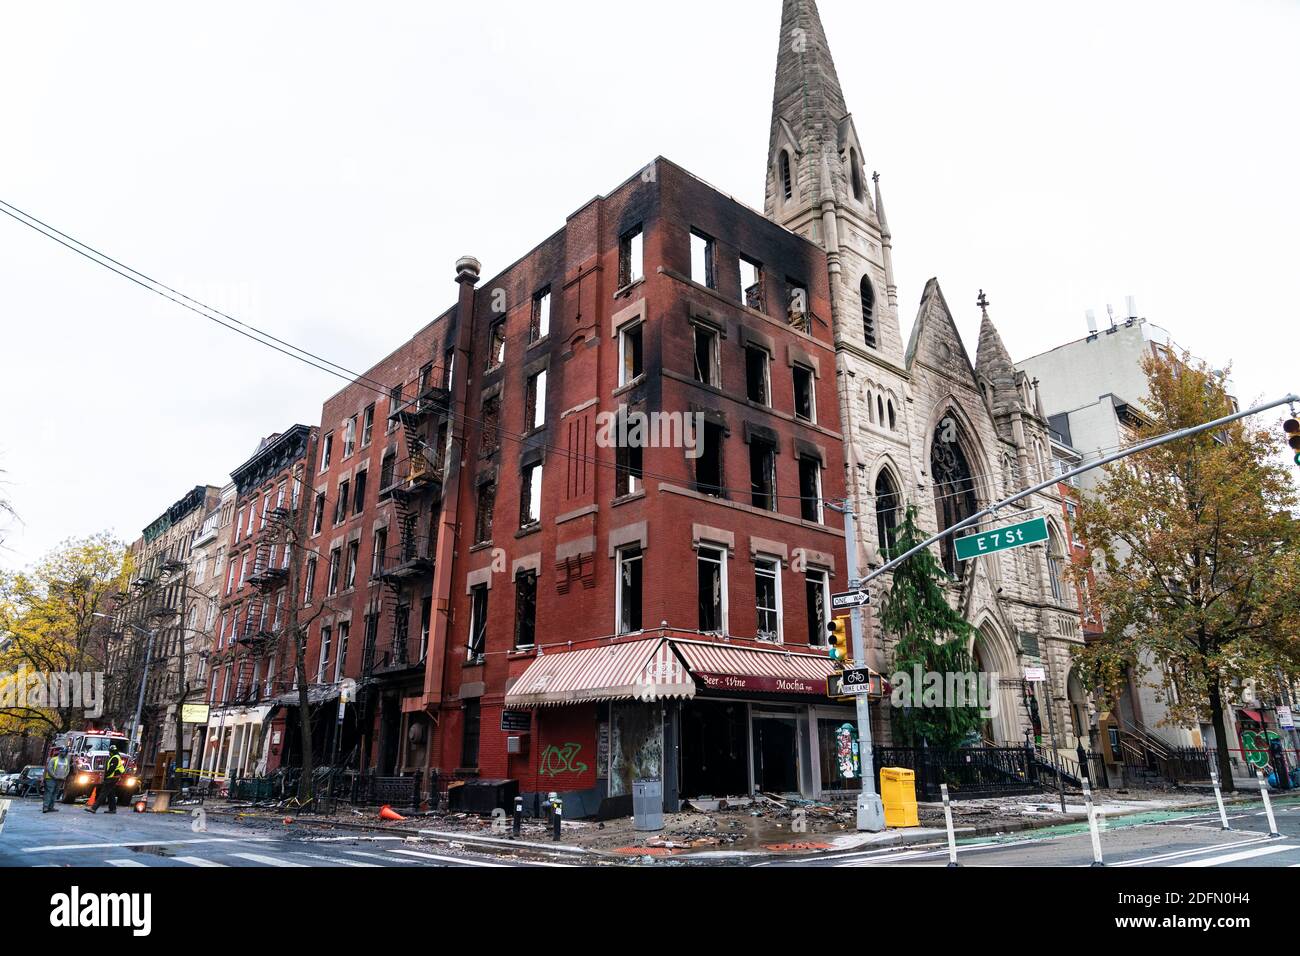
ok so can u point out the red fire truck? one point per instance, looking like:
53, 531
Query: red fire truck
88, 754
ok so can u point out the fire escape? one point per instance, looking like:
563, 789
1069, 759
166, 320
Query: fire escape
257, 638
415, 492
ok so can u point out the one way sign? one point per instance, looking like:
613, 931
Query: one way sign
850, 600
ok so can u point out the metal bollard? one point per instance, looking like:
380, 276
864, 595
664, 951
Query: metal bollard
1218, 793
1092, 825
952, 834
519, 816
557, 819
1268, 808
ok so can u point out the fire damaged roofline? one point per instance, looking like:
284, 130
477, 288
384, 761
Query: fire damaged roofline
175, 513
271, 459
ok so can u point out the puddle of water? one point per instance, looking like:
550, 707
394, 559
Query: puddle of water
162, 851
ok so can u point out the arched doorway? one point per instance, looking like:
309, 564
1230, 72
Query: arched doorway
954, 484
997, 666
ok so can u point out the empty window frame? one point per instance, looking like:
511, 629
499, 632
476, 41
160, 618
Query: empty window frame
817, 589
530, 496
535, 401
751, 284
631, 247
394, 403
327, 451
805, 394
762, 474
377, 556
703, 260
797, 295
326, 637
629, 470
630, 353
359, 492
311, 582
767, 598
367, 426
525, 609
336, 560
627, 608
711, 573
341, 502
708, 466
491, 442
787, 179
758, 375
350, 437
540, 325
868, 312
487, 497
341, 657
354, 552
478, 622
708, 358
811, 506
496, 352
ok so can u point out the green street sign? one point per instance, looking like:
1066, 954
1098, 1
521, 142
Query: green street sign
1003, 539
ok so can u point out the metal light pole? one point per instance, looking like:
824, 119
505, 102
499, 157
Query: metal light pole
871, 811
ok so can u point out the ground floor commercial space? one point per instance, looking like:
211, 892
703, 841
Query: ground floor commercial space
237, 744
704, 721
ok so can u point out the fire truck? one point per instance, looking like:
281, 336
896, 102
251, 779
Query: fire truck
88, 755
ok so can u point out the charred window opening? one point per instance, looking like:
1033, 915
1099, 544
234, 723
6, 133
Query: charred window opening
762, 474
787, 181
805, 396
491, 442
525, 609
631, 357
487, 498
354, 554
394, 403
751, 284
707, 357
798, 305
703, 260
496, 353
535, 401
469, 737
426, 377
387, 471
758, 384
816, 589
377, 558
341, 503
478, 621
540, 327
327, 452
711, 573
530, 497
810, 489
336, 560
629, 470
318, 519
708, 467
359, 494
629, 590
630, 262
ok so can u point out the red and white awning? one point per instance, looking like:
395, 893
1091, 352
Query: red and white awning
642, 670
743, 669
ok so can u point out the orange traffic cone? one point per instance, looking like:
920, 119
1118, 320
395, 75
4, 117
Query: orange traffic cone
90, 802
387, 813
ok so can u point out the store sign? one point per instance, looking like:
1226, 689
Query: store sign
756, 684
1285, 718
1036, 675
194, 713
516, 721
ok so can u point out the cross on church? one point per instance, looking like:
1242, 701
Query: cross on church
983, 302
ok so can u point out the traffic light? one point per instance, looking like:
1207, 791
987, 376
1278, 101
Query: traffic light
1292, 429
839, 639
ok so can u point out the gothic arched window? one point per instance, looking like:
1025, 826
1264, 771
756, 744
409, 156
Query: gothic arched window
855, 174
893, 418
787, 182
1056, 568
868, 312
888, 506
954, 485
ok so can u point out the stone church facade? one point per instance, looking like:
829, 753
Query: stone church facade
924, 425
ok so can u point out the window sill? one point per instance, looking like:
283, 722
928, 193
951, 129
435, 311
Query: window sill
630, 386
479, 661
480, 547
544, 340
627, 499
627, 289
522, 653
528, 532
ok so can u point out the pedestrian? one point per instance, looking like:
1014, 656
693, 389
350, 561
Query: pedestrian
56, 771
112, 770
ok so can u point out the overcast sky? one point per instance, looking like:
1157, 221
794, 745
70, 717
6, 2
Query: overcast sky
319, 167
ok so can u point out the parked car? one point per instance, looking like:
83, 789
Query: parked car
8, 783
30, 781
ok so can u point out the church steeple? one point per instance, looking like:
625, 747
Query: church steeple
817, 186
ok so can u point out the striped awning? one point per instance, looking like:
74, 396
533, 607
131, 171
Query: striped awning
642, 670
744, 669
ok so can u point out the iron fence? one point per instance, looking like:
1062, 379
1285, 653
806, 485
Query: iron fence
970, 773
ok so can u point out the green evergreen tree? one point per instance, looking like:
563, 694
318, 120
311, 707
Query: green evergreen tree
932, 635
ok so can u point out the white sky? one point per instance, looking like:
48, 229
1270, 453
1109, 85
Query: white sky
318, 169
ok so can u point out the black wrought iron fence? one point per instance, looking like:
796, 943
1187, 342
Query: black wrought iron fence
970, 772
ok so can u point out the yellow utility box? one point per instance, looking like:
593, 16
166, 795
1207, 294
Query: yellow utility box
898, 794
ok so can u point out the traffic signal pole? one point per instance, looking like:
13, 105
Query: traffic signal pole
871, 811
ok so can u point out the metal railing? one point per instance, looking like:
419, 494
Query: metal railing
970, 772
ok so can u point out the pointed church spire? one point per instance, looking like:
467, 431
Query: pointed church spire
805, 69
993, 361
887, 245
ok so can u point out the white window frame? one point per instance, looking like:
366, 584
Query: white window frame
776, 568
724, 557
812, 391
822, 633
326, 638
622, 556
624, 377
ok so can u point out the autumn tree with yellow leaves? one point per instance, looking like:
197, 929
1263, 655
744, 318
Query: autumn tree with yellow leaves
1198, 557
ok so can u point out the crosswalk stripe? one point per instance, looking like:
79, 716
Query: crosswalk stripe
124, 863
334, 859
456, 860
197, 861
267, 860
379, 856
1195, 851
1238, 857
59, 848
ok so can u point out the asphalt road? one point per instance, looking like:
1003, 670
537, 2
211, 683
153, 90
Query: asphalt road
72, 837
1187, 839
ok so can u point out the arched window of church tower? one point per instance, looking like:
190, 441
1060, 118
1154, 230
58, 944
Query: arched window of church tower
880, 411
1056, 568
787, 182
893, 418
889, 505
954, 485
856, 174
868, 312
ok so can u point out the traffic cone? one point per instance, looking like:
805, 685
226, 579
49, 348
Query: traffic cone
90, 802
387, 813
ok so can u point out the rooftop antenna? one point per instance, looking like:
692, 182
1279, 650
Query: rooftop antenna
1110, 311
1092, 324
1132, 310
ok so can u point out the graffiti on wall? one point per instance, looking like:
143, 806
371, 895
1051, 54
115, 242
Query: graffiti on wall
557, 760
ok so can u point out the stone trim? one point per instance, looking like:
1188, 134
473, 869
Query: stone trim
532, 562
703, 534
775, 549
575, 548
478, 578
638, 534
634, 312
